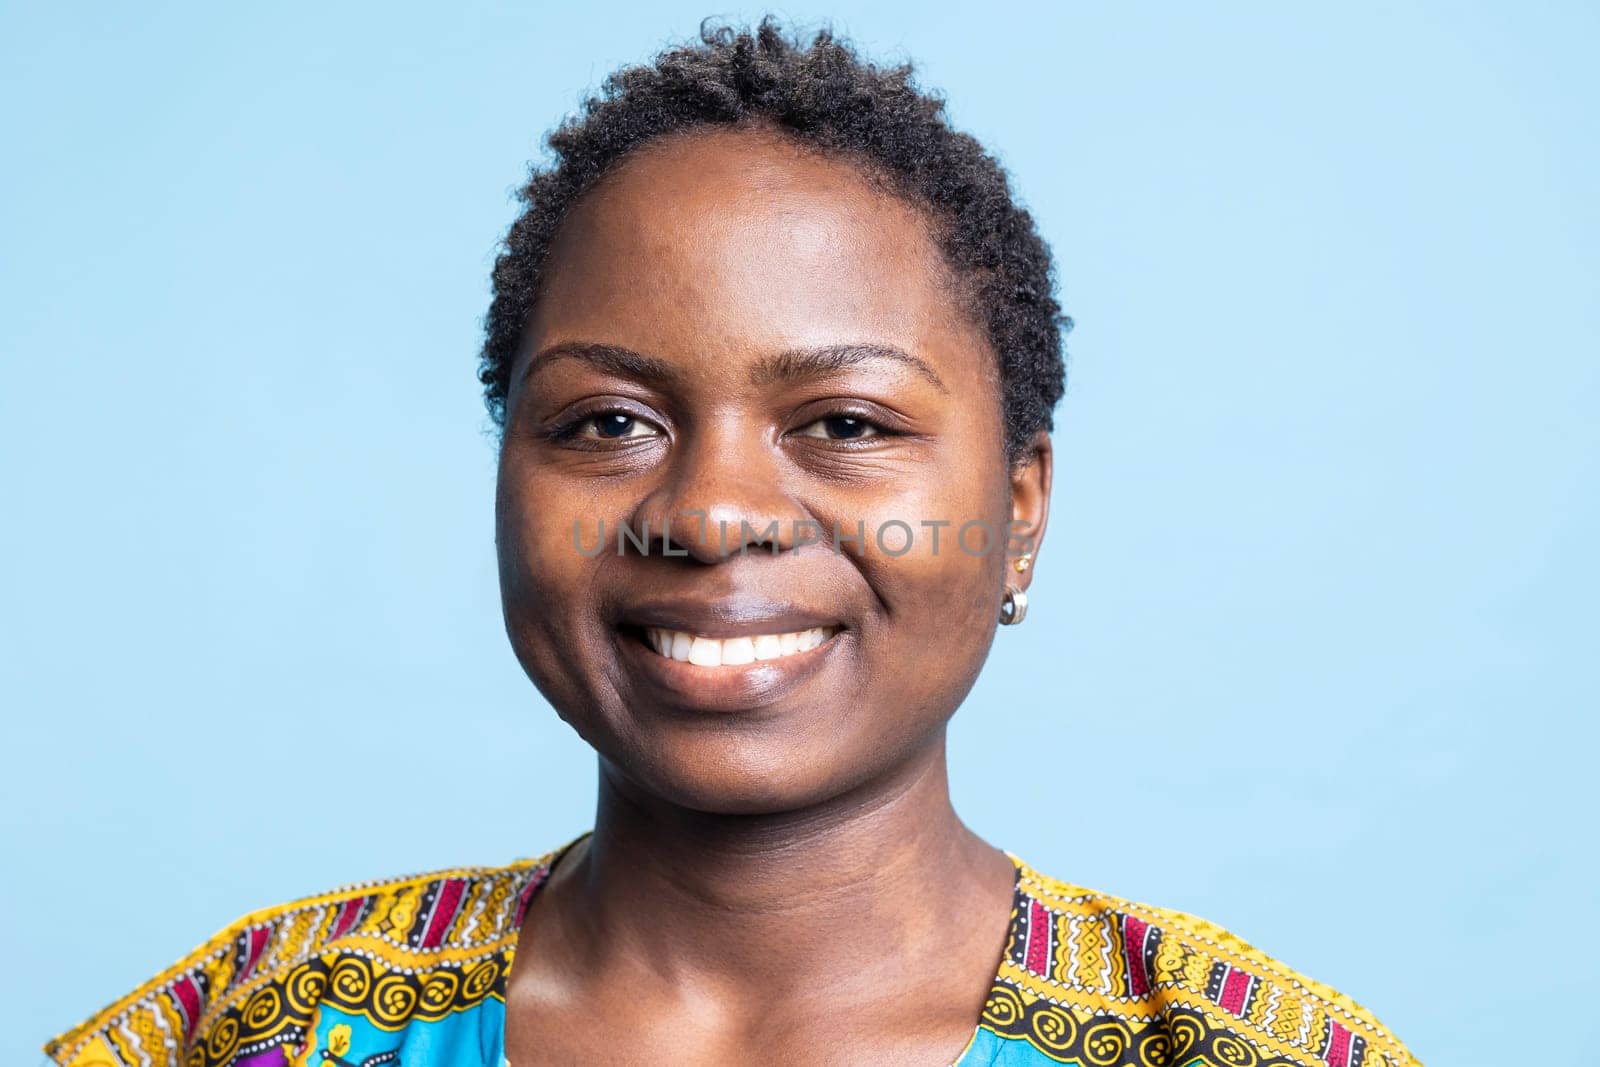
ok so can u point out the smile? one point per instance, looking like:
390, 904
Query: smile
733, 651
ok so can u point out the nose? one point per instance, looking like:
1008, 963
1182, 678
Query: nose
721, 495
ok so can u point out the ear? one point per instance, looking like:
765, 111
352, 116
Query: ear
1030, 507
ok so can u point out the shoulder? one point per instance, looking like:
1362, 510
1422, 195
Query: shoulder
420, 946
1114, 976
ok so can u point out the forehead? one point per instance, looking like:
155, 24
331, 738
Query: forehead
736, 240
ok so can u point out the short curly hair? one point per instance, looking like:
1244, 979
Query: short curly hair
824, 95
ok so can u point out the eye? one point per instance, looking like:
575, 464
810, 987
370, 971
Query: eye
840, 428
616, 424
609, 426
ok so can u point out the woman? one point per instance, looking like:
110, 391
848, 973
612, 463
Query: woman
766, 330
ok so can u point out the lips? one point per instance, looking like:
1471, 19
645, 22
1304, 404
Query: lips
725, 617
726, 655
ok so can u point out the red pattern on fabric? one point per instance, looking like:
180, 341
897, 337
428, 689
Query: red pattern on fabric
1038, 939
252, 945
1134, 934
444, 911
346, 917
187, 993
1234, 990
1338, 1046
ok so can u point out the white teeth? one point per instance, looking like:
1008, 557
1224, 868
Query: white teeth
733, 651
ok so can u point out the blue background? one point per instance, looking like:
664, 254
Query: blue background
1312, 648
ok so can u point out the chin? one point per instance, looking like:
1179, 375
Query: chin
739, 775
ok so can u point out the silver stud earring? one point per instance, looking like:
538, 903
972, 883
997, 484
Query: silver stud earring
1014, 608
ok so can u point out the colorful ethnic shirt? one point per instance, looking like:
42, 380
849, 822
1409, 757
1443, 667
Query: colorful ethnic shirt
412, 973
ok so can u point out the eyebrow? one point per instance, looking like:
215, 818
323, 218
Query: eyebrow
790, 365
799, 363
624, 362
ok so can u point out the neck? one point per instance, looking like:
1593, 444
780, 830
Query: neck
884, 873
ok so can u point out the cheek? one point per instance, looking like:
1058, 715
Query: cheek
547, 536
547, 586
934, 557
940, 597
543, 573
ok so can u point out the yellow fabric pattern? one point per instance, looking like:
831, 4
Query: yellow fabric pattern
412, 970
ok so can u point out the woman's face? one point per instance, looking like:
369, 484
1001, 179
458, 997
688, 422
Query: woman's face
737, 334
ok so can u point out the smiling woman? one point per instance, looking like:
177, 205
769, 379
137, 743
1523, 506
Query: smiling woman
765, 307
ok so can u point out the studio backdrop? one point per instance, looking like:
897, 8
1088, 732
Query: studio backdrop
1312, 640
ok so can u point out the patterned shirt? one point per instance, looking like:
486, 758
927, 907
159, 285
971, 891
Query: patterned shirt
412, 972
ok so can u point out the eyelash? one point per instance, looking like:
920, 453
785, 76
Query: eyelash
568, 432
876, 426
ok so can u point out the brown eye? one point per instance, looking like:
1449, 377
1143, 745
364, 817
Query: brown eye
612, 426
615, 425
840, 428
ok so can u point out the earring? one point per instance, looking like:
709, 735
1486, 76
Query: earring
1014, 608
1023, 562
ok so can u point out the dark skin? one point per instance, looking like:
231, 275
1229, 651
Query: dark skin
737, 325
